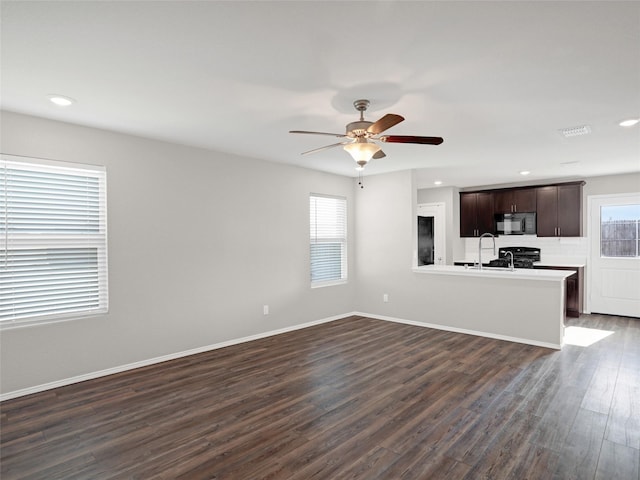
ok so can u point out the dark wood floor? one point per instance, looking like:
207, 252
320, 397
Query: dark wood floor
355, 398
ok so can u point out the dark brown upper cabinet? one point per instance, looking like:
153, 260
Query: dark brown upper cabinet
559, 210
476, 214
518, 200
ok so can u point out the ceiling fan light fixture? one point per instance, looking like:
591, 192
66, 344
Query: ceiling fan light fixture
362, 151
361, 136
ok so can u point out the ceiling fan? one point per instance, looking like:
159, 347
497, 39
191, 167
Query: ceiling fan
361, 136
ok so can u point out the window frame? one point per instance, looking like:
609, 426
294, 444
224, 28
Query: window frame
96, 239
611, 224
341, 238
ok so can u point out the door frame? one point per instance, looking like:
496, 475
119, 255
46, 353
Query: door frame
593, 236
439, 229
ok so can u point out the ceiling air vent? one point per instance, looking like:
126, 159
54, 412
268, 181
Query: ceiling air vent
575, 131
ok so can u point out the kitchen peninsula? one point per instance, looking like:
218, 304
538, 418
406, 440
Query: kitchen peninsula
521, 305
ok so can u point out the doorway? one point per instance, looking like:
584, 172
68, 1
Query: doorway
431, 234
614, 238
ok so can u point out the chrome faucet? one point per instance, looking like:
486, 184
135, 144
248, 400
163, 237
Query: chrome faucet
480, 247
511, 262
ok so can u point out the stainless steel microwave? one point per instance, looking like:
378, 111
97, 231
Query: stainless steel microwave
515, 223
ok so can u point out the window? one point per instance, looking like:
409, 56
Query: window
53, 241
619, 231
328, 220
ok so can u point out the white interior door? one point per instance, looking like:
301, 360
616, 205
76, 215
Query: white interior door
431, 234
614, 267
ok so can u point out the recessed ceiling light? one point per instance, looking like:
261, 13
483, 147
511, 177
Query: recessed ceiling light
525, 172
630, 122
61, 100
438, 182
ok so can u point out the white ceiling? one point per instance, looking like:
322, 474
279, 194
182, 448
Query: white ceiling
497, 80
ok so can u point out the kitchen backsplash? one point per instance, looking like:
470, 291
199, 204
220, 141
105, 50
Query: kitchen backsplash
562, 250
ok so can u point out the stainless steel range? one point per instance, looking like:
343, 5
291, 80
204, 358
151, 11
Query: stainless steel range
523, 257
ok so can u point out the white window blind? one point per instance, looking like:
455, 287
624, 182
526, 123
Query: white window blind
328, 221
53, 241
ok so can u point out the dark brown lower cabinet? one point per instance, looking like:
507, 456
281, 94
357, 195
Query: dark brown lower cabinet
574, 289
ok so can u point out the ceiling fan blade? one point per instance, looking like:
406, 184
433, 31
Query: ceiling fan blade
388, 121
379, 154
411, 139
339, 135
326, 147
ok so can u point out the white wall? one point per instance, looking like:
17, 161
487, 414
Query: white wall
561, 250
385, 221
385, 224
386, 228
608, 185
198, 242
450, 196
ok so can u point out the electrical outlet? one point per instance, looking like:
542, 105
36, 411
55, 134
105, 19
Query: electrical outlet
385, 297
265, 309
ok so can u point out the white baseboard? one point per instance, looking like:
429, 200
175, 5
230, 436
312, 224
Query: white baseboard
460, 330
173, 356
164, 358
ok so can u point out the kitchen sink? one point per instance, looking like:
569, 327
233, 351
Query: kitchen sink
491, 269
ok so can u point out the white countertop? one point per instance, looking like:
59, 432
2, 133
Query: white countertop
487, 272
536, 264
558, 264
